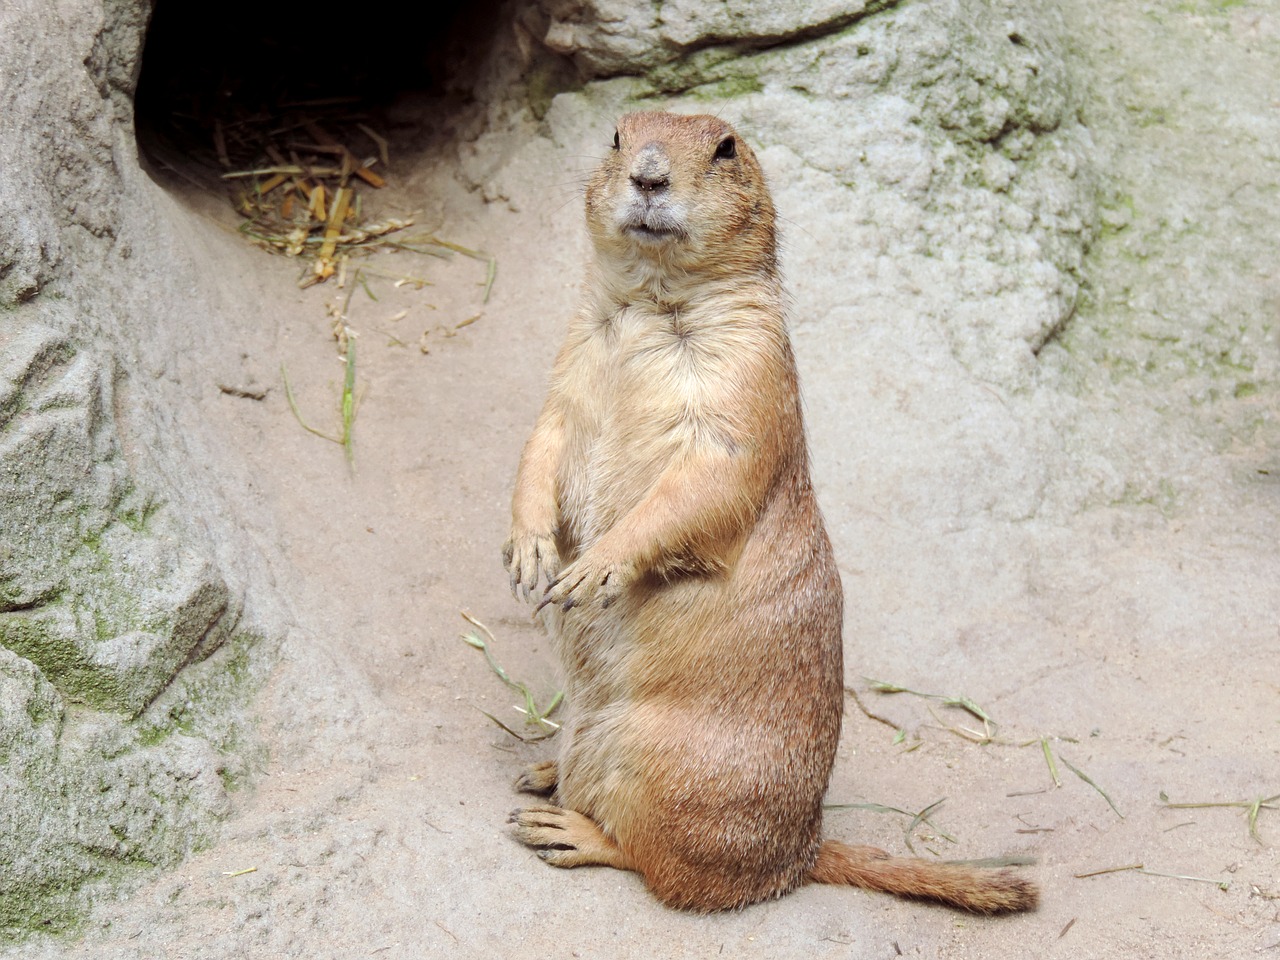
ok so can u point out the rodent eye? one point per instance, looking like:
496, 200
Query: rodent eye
727, 149
617, 141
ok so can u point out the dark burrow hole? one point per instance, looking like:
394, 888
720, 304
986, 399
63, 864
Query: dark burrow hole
247, 86
242, 69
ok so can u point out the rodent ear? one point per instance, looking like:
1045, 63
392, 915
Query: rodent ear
727, 149
617, 141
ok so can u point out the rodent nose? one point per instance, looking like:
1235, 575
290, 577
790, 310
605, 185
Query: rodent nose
651, 169
650, 185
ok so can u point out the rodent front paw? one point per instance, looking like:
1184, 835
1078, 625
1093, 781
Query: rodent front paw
589, 579
526, 555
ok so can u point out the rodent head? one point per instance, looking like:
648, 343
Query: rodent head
684, 195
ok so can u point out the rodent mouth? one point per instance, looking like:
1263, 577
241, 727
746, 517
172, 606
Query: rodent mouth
651, 234
651, 221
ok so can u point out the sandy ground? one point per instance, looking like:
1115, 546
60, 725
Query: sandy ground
1141, 641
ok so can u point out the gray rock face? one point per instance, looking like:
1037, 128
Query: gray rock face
100, 587
53, 183
125, 654
611, 37
86, 796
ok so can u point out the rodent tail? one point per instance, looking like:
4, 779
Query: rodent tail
980, 889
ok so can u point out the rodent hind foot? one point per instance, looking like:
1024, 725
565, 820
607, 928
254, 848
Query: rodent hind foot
541, 778
564, 838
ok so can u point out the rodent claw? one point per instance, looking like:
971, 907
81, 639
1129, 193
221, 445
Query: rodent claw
527, 558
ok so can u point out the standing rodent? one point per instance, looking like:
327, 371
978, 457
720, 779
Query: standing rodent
692, 591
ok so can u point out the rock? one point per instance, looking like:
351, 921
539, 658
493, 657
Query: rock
118, 734
100, 587
87, 796
612, 37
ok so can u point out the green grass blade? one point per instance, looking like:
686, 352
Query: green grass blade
923, 817
293, 405
1086, 779
1048, 758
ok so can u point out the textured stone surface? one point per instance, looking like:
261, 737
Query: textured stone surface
100, 586
121, 736
87, 797
611, 37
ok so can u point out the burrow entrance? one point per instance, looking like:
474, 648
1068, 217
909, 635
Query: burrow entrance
291, 121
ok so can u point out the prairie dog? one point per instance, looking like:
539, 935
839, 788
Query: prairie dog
691, 588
